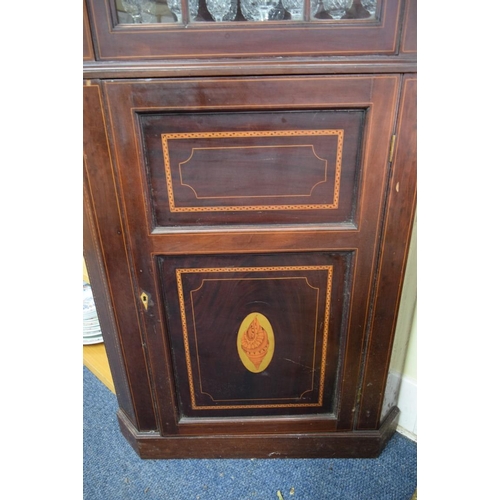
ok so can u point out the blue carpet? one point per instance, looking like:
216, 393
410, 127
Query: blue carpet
112, 469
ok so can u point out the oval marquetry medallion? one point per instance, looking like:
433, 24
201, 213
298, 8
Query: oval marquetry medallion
255, 342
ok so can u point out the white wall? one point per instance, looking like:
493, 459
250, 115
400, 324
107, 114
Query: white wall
403, 367
407, 401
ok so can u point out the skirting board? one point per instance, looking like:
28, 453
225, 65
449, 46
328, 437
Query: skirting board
406, 402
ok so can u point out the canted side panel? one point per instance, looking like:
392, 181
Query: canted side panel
255, 335
108, 266
394, 252
252, 168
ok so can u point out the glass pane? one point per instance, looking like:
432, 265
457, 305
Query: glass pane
147, 11
170, 11
175, 7
263, 10
283, 10
246, 10
339, 10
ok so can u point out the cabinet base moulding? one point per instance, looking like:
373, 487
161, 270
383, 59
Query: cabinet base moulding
350, 444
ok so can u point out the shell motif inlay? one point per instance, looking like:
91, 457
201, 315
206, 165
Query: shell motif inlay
255, 342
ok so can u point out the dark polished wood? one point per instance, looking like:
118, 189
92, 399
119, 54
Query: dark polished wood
88, 49
252, 167
246, 223
308, 342
401, 63
360, 444
409, 35
243, 39
108, 268
130, 100
401, 207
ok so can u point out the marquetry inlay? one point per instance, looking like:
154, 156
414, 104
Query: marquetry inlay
255, 342
264, 324
333, 204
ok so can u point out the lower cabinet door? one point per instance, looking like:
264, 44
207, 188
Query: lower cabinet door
253, 210
256, 335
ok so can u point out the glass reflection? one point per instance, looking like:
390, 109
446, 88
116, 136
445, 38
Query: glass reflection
370, 6
258, 10
176, 7
295, 8
170, 11
337, 8
143, 12
222, 10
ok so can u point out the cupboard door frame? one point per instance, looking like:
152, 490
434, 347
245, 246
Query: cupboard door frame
126, 100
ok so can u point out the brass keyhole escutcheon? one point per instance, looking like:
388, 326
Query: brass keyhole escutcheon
145, 300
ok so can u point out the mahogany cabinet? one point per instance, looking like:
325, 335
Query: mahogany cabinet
249, 192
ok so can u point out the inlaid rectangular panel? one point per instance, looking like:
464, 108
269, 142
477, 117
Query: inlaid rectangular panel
253, 167
256, 335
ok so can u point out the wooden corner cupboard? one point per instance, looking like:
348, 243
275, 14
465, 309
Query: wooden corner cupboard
249, 193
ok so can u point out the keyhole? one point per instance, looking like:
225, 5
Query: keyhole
145, 300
